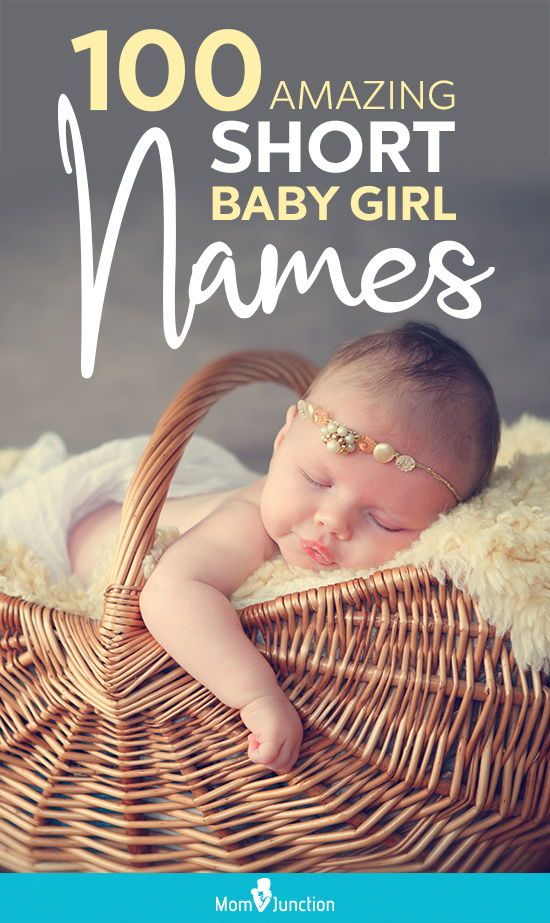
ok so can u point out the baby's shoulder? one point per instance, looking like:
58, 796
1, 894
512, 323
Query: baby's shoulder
251, 493
236, 535
223, 548
239, 517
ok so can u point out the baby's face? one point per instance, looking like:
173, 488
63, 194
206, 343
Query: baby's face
351, 511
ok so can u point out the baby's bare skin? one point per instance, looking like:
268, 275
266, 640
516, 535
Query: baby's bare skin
222, 541
185, 604
89, 534
319, 509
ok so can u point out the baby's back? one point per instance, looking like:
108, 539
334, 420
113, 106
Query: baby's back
88, 536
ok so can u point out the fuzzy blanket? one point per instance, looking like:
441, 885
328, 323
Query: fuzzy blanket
496, 548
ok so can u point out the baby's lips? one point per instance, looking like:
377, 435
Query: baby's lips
318, 552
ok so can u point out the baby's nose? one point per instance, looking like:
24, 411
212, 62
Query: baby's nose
336, 520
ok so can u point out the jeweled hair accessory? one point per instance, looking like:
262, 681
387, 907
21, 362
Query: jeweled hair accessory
340, 439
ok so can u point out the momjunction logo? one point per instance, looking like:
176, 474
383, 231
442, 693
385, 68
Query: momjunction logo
264, 899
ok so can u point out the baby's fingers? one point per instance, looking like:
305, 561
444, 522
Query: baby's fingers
279, 758
264, 752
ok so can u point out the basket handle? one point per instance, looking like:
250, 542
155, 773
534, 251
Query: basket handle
149, 486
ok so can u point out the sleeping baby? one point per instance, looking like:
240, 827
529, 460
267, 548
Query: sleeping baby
395, 430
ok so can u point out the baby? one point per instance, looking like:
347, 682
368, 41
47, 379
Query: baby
397, 429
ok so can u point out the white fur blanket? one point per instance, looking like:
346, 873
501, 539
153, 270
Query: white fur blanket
496, 548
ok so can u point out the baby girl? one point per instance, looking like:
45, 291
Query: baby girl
397, 429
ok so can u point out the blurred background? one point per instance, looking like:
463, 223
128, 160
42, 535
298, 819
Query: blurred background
494, 170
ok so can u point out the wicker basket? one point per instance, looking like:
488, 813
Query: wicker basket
426, 748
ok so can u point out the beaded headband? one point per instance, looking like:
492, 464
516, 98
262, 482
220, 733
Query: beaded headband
340, 439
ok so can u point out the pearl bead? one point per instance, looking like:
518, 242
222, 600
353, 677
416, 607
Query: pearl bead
351, 447
342, 430
383, 452
331, 428
333, 445
350, 439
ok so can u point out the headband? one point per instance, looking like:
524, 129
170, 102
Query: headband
340, 439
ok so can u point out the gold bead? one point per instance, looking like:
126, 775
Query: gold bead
365, 444
320, 417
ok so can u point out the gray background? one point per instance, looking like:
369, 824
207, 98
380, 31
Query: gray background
495, 173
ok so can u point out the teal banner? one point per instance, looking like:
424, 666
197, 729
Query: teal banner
331, 898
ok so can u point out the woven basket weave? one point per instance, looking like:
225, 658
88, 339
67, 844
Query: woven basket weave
426, 748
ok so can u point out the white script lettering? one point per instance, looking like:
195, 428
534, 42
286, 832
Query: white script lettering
271, 280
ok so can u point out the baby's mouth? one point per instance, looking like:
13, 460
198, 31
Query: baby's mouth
318, 553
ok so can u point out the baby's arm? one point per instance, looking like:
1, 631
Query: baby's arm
184, 605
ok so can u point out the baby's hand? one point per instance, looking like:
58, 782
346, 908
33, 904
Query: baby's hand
276, 731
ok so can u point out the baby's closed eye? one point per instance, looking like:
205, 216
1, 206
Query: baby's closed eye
314, 481
381, 525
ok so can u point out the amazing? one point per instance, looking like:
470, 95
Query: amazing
367, 95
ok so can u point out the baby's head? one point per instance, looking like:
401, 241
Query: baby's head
334, 498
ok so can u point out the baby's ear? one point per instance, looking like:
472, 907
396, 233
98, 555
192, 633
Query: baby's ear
290, 415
